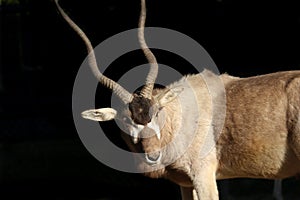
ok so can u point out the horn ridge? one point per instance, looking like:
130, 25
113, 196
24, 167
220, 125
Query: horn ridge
152, 75
117, 89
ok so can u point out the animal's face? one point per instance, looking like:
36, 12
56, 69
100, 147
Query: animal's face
142, 119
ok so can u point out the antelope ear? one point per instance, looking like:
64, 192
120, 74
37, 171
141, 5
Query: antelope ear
168, 95
102, 114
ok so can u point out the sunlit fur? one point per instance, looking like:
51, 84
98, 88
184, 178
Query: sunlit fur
260, 137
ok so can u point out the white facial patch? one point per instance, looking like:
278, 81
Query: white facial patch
154, 126
134, 132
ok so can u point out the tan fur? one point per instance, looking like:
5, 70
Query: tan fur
260, 137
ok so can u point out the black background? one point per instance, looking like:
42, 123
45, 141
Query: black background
41, 155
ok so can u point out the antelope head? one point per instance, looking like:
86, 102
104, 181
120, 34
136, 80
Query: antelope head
140, 116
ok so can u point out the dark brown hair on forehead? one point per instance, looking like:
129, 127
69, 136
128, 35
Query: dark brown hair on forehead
139, 108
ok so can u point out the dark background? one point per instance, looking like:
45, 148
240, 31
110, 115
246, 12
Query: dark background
41, 156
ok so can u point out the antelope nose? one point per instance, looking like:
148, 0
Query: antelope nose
153, 157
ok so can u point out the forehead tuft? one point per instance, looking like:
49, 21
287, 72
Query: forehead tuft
139, 108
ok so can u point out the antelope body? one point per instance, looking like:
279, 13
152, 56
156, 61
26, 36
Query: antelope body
259, 136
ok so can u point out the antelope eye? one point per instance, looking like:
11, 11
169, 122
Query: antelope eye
126, 120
